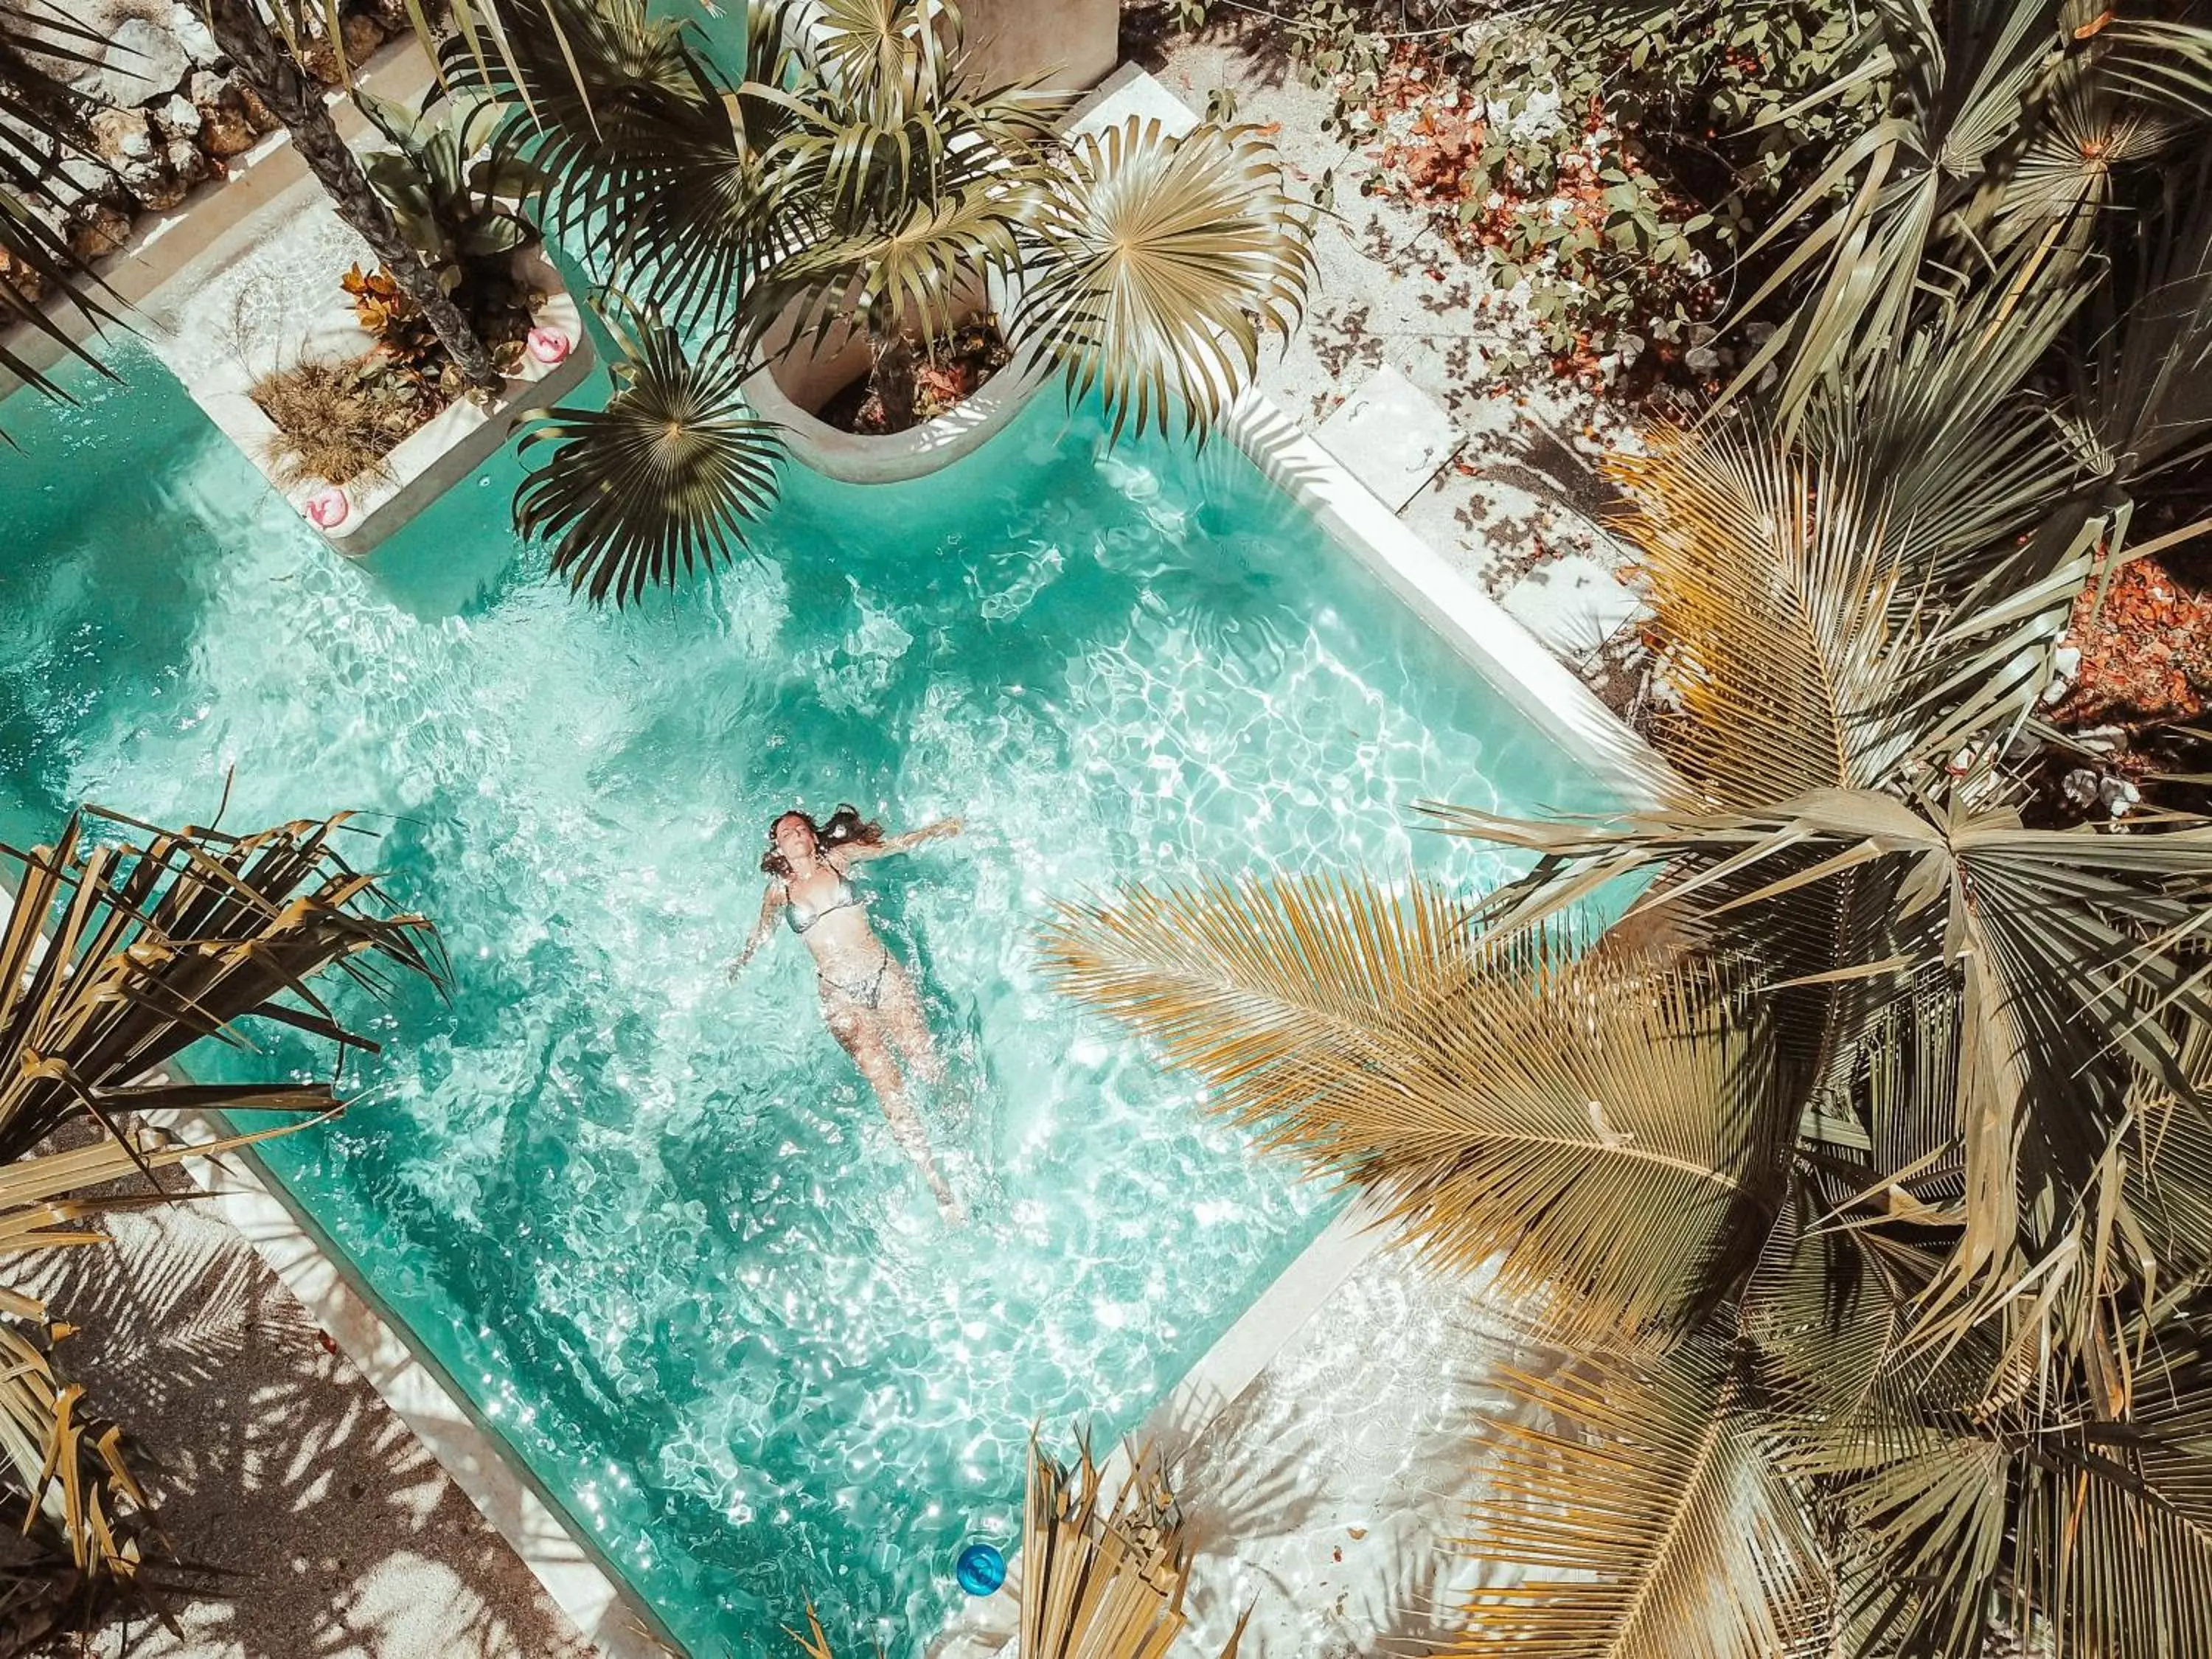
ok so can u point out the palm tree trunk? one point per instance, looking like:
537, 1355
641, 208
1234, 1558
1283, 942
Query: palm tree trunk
262, 63
890, 367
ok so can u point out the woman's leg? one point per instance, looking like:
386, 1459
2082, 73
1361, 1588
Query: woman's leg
862, 1036
900, 1004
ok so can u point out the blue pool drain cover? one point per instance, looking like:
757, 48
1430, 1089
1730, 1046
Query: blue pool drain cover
980, 1569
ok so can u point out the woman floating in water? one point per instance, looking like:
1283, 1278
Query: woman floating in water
867, 1001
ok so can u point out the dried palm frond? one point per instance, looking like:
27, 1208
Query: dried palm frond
1613, 1132
1649, 1517
2065, 958
114, 959
1160, 264
1102, 1578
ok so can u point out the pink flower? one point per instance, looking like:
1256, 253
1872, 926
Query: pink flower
548, 345
327, 509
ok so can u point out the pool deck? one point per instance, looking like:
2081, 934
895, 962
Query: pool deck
283, 1466
366, 1517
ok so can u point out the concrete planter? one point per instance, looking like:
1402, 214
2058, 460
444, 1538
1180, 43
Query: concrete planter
275, 301
800, 380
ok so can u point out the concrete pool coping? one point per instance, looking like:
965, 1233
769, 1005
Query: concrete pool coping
569, 1565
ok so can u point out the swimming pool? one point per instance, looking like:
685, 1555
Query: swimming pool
647, 1218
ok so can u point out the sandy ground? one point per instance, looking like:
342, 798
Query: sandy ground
1325, 1499
278, 1464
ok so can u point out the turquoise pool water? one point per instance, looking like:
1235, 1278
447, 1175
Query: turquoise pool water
647, 1217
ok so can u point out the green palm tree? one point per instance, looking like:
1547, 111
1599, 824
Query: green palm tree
2035, 129
859, 179
124, 946
1859, 1174
41, 128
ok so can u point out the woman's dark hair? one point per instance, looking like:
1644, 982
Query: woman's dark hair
846, 826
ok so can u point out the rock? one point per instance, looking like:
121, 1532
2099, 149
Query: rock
143, 62
121, 137
153, 185
98, 228
2080, 786
185, 161
264, 117
177, 118
82, 178
1701, 360
225, 126
20, 279
193, 35
2119, 795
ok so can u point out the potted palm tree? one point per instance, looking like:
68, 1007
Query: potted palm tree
835, 218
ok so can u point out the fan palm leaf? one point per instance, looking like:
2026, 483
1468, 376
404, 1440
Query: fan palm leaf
651, 163
1609, 1131
2099, 1533
1840, 607
2067, 953
2007, 121
921, 271
1644, 1514
1159, 264
892, 54
662, 481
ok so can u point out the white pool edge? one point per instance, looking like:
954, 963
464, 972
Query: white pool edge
601, 1606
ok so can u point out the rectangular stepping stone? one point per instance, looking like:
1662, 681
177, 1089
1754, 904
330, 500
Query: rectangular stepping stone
1573, 604
1392, 436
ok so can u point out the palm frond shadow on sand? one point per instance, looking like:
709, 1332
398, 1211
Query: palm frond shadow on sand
1293, 1503
330, 1532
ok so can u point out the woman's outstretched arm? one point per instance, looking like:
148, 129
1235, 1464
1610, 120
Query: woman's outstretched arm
772, 903
859, 852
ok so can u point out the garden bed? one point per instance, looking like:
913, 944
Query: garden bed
268, 297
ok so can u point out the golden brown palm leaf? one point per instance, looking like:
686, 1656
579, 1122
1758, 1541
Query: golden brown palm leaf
1772, 604
1645, 1518
1102, 1578
2065, 958
1610, 1131
2098, 1532
1160, 264
1790, 584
